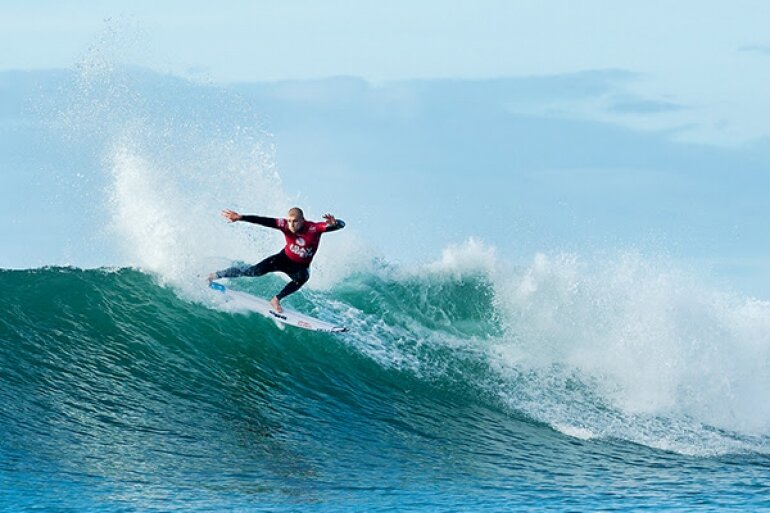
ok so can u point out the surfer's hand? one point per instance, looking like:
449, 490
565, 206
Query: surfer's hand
330, 220
231, 215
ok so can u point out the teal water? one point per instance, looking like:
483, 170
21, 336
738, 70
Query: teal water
120, 393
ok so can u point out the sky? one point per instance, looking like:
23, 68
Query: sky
711, 59
576, 116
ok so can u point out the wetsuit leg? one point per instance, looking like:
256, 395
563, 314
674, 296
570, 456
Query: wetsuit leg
230, 272
279, 262
268, 265
298, 278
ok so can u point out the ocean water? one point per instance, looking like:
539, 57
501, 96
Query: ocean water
486, 369
123, 394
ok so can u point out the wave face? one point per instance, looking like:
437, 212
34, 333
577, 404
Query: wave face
450, 391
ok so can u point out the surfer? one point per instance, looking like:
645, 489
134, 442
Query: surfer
302, 239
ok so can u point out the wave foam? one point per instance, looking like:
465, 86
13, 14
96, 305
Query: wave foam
630, 348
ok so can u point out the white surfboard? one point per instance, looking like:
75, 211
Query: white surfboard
243, 301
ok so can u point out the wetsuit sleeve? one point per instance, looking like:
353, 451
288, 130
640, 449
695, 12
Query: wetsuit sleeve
270, 222
340, 226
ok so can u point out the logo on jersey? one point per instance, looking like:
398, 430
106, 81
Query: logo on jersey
300, 241
300, 251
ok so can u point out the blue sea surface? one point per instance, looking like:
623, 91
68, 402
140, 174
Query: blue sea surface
118, 395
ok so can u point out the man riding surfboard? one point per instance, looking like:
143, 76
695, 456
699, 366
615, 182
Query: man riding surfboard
302, 240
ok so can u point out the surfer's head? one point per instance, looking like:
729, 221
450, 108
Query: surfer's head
295, 220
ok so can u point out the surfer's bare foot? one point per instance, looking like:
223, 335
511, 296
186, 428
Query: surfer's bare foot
211, 277
276, 304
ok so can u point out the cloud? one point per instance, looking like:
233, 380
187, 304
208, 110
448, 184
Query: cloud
638, 105
760, 49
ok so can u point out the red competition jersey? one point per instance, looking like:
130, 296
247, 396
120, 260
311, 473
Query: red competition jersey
301, 247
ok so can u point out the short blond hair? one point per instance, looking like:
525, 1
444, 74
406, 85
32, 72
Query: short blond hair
296, 211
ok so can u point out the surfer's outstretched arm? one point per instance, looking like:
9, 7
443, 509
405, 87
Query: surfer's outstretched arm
234, 216
333, 224
270, 222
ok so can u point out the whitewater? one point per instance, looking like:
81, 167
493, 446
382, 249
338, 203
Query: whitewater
470, 381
